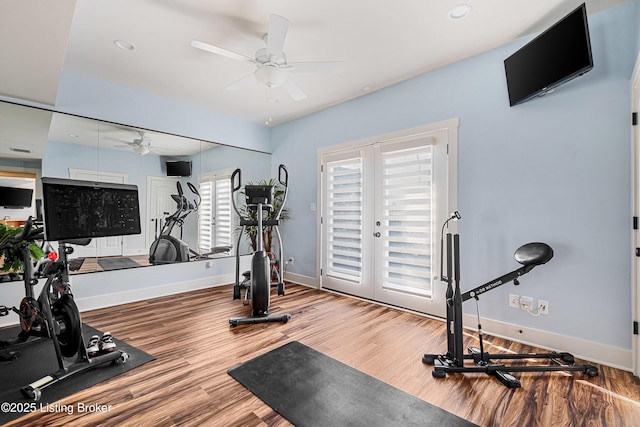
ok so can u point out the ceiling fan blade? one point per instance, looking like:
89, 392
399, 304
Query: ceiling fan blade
238, 84
220, 51
293, 90
278, 29
160, 149
117, 140
127, 146
332, 67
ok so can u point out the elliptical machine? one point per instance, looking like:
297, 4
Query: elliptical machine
166, 248
257, 283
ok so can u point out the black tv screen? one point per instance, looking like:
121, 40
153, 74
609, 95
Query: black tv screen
75, 209
16, 198
178, 168
554, 57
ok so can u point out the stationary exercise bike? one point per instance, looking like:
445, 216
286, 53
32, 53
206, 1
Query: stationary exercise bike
257, 282
53, 314
530, 256
167, 248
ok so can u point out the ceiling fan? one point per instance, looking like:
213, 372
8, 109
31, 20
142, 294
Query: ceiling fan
141, 145
271, 62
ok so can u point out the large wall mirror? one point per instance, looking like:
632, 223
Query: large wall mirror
36, 143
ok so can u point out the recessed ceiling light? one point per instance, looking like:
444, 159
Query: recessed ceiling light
124, 45
459, 12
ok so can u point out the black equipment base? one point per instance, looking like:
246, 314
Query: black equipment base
250, 320
484, 363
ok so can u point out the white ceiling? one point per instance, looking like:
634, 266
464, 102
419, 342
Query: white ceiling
381, 42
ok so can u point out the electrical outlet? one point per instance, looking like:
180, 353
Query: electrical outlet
291, 260
526, 303
543, 306
514, 301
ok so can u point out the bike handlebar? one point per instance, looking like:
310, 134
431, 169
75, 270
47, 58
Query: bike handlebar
193, 188
26, 230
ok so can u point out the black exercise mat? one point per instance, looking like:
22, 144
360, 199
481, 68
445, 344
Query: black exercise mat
38, 358
117, 263
309, 388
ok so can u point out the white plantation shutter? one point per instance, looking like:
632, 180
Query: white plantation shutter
344, 215
223, 209
407, 217
215, 212
205, 211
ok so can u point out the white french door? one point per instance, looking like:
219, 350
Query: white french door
380, 207
347, 228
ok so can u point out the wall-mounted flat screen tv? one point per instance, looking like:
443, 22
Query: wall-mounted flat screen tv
75, 209
178, 168
15, 198
556, 56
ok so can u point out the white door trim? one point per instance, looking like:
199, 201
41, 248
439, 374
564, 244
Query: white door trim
635, 212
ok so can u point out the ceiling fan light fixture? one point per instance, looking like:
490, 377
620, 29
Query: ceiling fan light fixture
270, 76
459, 12
141, 149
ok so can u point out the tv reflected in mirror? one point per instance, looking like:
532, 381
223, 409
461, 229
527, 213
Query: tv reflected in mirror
15, 198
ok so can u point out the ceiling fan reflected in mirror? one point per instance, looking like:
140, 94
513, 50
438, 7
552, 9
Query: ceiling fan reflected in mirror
271, 62
141, 145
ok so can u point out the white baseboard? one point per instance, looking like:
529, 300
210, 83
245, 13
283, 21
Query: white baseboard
590, 351
299, 279
109, 300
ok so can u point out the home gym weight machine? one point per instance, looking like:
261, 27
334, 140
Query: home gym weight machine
53, 314
529, 255
257, 283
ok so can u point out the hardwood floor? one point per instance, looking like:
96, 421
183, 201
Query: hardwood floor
187, 385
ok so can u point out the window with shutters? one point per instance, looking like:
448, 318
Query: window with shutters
215, 223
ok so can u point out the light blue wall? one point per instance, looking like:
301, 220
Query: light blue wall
555, 169
636, 5
85, 96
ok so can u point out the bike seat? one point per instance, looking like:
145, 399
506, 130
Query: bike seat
534, 254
